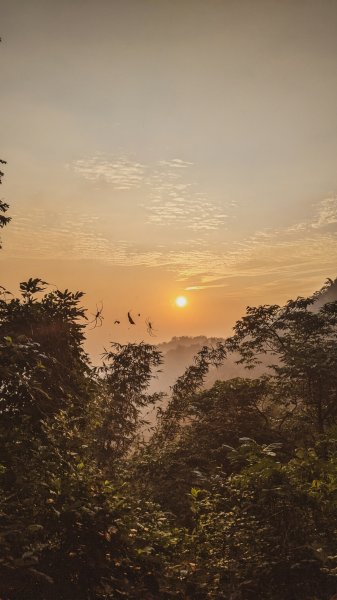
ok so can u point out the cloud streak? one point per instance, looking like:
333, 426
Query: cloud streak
122, 173
303, 250
272, 253
171, 198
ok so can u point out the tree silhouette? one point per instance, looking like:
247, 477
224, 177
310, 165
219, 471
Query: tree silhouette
4, 220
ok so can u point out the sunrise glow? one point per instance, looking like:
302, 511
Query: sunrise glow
187, 184
168, 182
181, 301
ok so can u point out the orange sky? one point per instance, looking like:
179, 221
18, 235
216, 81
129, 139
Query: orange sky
160, 148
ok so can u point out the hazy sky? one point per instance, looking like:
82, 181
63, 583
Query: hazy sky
165, 147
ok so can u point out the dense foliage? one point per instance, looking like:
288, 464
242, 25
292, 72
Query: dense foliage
233, 497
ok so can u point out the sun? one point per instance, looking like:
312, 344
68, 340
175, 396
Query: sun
181, 301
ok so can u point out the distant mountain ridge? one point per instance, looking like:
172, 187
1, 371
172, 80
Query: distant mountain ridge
179, 353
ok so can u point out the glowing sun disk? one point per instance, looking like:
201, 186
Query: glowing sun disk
181, 301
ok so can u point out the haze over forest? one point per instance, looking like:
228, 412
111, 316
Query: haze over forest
168, 300
179, 353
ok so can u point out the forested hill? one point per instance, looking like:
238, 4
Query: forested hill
179, 353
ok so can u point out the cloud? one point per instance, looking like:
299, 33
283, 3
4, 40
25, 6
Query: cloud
122, 173
175, 163
42, 233
173, 200
170, 198
272, 253
194, 288
304, 250
326, 214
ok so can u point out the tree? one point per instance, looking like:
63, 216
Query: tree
185, 388
124, 378
212, 420
259, 533
44, 366
301, 341
3, 206
4, 220
68, 529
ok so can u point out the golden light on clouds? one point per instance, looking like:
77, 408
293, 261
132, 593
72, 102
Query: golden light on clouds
181, 301
192, 201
